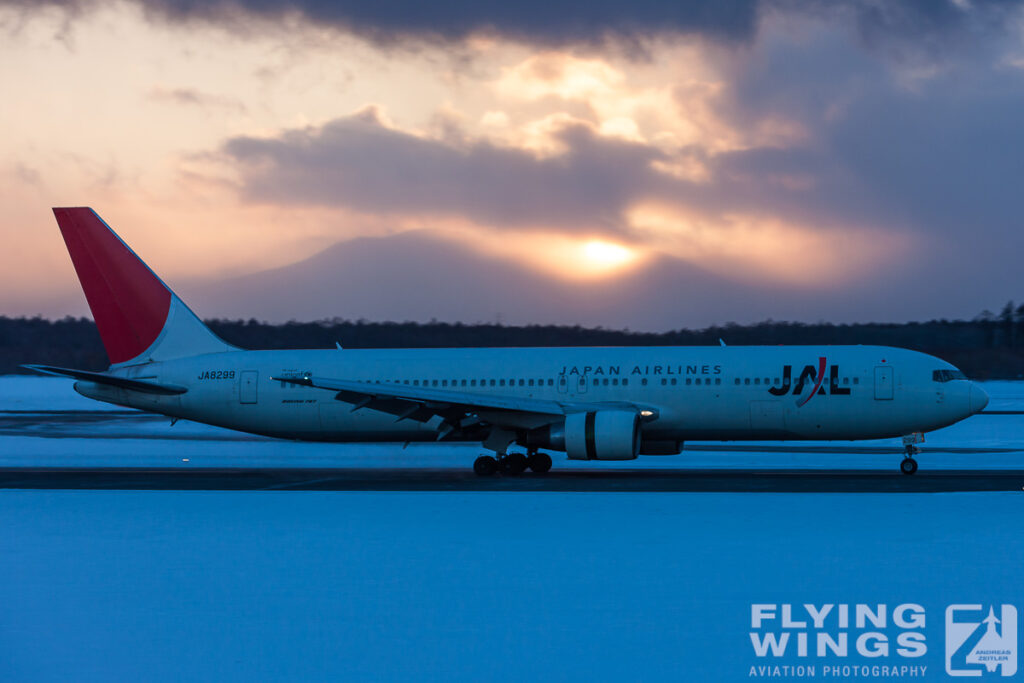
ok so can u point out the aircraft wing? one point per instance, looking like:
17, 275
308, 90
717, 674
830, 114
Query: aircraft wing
458, 409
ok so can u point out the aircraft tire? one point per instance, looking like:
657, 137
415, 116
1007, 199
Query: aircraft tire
515, 463
908, 466
485, 466
539, 462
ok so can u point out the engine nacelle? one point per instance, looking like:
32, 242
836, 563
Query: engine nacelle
602, 435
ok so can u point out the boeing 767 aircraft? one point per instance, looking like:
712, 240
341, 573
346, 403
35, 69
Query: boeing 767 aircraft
590, 403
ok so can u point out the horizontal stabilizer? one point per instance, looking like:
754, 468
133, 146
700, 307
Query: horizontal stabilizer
143, 386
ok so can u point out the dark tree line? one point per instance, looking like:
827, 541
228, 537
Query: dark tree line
988, 347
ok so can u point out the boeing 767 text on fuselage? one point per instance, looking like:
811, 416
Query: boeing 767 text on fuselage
590, 403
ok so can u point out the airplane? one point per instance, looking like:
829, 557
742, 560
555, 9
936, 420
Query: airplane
598, 404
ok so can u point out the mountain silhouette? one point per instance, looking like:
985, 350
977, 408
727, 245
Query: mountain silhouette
417, 276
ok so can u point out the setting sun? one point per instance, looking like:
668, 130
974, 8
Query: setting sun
600, 256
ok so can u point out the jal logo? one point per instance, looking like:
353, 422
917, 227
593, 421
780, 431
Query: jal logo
980, 640
810, 375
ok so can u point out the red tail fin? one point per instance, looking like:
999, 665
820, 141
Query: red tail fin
131, 305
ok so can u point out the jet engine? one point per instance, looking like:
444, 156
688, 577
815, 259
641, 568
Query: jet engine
600, 435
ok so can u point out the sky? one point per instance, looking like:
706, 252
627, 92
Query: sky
652, 164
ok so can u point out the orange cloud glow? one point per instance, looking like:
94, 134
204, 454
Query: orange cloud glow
758, 248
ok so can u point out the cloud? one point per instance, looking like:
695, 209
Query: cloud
532, 21
360, 163
563, 22
936, 154
597, 185
197, 98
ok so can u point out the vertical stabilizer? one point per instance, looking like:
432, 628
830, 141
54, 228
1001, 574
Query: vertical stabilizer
138, 316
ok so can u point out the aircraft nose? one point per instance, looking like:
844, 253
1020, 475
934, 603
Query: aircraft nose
978, 398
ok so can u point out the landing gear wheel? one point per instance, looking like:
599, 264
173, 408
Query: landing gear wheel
485, 466
908, 466
515, 463
539, 462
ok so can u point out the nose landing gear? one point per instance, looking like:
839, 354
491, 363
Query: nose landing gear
910, 448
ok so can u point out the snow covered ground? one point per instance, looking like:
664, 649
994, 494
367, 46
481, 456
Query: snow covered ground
300, 586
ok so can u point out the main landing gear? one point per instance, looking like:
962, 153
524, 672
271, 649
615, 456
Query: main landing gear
910, 449
512, 463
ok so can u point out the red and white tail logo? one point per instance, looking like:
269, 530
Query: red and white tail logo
138, 316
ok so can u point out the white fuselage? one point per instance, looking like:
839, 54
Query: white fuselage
696, 393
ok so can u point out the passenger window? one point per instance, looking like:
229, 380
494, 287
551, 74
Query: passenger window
492, 382
531, 383
501, 383
737, 381
718, 380
856, 380
674, 381
643, 382
472, 382
757, 380
688, 381
664, 381
625, 381
606, 381
746, 380
846, 380
615, 382
444, 383
551, 382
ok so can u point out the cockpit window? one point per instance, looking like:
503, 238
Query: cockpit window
947, 375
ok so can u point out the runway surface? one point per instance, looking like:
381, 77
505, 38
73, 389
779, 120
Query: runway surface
449, 479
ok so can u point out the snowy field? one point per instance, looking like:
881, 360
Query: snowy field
308, 586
